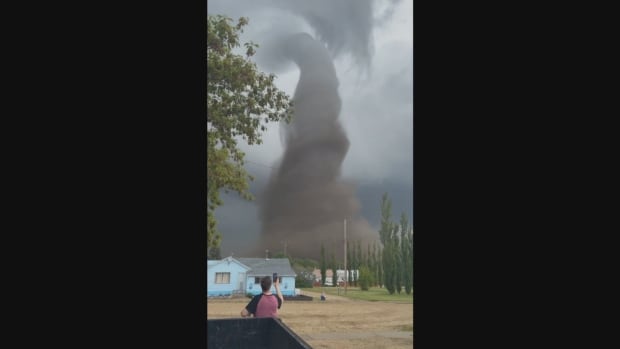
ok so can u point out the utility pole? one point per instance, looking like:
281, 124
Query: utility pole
346, 278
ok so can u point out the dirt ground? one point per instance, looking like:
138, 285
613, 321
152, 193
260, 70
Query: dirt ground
337, 322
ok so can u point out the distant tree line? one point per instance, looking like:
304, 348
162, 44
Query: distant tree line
388, 263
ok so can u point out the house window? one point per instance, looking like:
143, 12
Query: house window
257, 280
222, 278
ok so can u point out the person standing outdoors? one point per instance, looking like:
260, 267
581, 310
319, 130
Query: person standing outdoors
265, 304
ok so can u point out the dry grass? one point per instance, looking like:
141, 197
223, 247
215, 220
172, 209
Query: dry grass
338, 322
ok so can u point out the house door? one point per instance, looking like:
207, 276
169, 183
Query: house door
241, 282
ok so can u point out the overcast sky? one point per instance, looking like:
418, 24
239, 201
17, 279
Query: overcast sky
377, 105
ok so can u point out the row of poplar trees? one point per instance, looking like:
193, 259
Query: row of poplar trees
397, 257
389, 264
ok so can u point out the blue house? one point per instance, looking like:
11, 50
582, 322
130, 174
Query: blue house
225, 277
231, 276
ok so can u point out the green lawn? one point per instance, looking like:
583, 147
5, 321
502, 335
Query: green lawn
373, 294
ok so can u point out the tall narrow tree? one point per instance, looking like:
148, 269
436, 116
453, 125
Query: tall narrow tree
398, 262
406, 253
370, 264
380, 277
349, 276
377, 264
389, 261
386, 213
410, 263
358, 257
367, 260
334, 267
386, 235
354, 264
323, 266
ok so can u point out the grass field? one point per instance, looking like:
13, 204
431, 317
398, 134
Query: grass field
340, 322
374, 294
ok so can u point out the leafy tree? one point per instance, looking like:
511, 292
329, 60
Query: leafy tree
304, 279
214, 253
323, 266
386, 236
365, 278
241, 100
305, 263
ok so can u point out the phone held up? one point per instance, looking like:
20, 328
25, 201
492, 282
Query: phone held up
275, 275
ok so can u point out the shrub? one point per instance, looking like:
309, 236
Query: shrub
365, 278
304, 279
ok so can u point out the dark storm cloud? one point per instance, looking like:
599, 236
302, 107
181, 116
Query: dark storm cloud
305, 200
378, 117
344, 26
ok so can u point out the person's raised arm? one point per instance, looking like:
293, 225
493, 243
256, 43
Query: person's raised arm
277, 286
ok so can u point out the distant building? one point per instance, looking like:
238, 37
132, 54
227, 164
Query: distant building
328, 276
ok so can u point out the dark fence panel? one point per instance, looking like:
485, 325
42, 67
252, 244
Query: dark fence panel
252, 333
